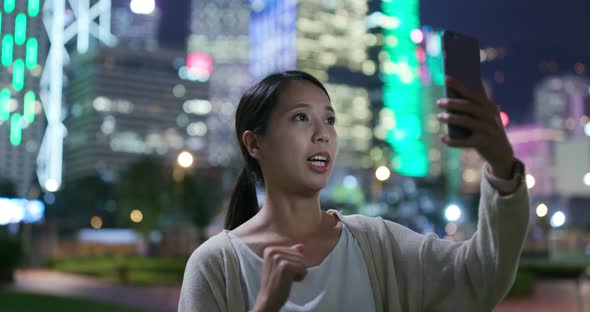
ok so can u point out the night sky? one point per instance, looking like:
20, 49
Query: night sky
532, 31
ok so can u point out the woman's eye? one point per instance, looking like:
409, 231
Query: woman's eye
332, 120
300, 117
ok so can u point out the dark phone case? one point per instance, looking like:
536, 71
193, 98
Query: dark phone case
461, 61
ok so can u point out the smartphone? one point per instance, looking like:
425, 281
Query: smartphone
462, 62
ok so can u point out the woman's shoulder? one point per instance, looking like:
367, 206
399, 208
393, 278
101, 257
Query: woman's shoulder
211, 251
363, 222
379, 229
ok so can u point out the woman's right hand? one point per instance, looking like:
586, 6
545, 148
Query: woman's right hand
282, 266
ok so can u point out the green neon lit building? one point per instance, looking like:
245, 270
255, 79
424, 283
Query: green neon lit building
402, 90
19, 53
23, 47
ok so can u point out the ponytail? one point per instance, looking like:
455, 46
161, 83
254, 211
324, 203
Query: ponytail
244, 203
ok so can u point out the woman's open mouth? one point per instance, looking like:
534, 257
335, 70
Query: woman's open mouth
319, 162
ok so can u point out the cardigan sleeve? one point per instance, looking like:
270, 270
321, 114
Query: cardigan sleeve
476, 274
203, 285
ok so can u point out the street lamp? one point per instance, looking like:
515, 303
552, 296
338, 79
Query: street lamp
530, 181
142, 6
453, 213
382, 173
558, 219
51, 185
542, 210
185, 159
136, 216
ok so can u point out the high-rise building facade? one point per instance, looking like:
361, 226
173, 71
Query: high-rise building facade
536, 146
122, 105
219, 29
410, 67
328, 40
563, 102
22, 124
135, 23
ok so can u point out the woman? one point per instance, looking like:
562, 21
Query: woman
292, 256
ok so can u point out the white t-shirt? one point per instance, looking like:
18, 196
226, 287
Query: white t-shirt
339, 283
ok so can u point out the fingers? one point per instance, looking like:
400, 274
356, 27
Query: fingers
463, 106
464, 121
293, 250
298, 247
293, 270
287, 260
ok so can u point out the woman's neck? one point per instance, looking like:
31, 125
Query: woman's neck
291, 216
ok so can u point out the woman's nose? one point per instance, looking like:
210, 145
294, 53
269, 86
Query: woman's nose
321, 134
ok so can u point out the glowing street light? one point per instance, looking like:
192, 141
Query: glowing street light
136, 216
530, 181
51, 185
558, 219
185, 159
142, 6
96, 222
587, 179
382, 173
453, 213
542, 210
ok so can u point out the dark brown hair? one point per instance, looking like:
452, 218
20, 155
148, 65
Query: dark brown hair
253, 114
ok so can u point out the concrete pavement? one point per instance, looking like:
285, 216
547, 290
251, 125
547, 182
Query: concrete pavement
154, 298
550, 296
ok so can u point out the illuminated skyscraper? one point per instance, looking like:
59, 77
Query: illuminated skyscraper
23, 45
123, 104
536, 146
563, 102
219, 28
328, 39
135, 23
400, 72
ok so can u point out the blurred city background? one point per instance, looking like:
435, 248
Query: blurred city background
118, 152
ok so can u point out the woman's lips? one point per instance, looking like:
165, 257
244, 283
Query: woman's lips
318, 166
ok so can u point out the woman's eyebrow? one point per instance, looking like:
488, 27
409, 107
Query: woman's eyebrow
305, 105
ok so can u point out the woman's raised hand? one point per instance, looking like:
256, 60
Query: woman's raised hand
482, 117
282, 266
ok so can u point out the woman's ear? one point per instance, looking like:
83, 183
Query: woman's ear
250, 141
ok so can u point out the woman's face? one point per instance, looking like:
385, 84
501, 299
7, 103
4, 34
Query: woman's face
297, 151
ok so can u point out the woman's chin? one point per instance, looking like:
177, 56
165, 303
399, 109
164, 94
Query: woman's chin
318, 184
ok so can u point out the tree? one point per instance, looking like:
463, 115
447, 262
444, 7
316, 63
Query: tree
7, 188
81, 198
146, 186
201, 197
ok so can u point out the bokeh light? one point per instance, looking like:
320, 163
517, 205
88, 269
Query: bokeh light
51, 185
96, 222
505, 119
136, 216
417, 35
453, 213
185, 159
382, 173
530, 181
142, 6
558, 219
542, 210
451, 228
